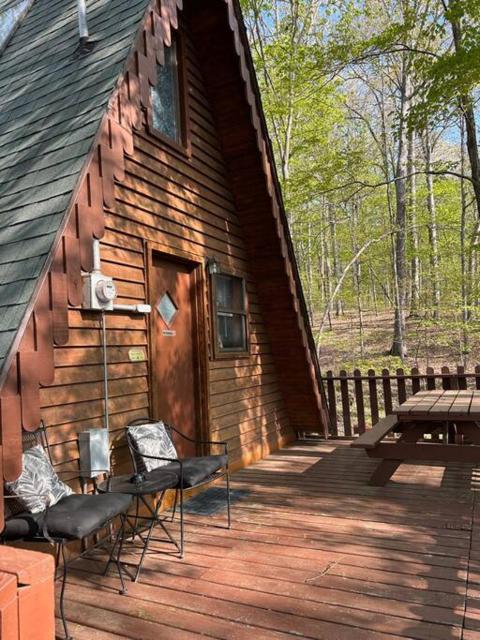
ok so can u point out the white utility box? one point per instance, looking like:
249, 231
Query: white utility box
99, 291
94, 452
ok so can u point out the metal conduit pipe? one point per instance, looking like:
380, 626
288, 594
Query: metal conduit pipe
106, 423
96, 256
82, 21
133, 308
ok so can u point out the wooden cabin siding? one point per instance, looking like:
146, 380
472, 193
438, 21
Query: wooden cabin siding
236, 106
181, 206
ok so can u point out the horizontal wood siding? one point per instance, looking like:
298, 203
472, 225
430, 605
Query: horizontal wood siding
184, 206
235, 108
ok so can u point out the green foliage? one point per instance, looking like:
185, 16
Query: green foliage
454, 70
331, 82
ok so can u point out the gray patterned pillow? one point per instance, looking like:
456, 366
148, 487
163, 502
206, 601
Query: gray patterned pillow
152, 439
38, 485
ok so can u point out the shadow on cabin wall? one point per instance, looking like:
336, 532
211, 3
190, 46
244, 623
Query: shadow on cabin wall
185, 206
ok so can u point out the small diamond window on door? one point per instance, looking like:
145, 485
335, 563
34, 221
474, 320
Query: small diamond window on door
167, 309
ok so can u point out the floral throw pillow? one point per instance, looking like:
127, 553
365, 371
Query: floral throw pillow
38, 485
153, 440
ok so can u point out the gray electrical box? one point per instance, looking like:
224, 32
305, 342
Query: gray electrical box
94, 452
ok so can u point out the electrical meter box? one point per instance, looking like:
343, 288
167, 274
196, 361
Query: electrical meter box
94, 452
99, 292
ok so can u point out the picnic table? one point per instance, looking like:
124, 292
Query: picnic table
451, 418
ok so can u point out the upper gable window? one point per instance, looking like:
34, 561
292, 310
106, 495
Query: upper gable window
10, 16
165, 96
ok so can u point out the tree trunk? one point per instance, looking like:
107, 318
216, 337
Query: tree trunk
337, 267
327, 283
356, 272
432, 228
412, 205
373, 290
309, 269
468, 111
463, 249
472, 146
399, 348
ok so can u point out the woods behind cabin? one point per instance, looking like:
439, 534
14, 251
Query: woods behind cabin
372, 113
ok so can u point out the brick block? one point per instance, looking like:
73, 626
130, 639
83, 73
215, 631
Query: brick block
8, 607
27, 595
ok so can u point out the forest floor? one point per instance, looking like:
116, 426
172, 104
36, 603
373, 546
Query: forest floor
429, 343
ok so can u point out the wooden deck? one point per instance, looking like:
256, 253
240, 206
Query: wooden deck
314, 553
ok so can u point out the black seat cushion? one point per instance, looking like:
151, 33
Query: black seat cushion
195, 470
73, 517
77, 516
22, 525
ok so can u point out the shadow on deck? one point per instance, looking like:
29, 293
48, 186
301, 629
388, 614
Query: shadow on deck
314, 553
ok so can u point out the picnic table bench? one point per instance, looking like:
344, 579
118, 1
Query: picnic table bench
454, 413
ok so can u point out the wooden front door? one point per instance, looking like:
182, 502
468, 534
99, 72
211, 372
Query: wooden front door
174, 347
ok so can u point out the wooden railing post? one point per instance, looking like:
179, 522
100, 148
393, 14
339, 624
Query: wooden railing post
372, 392
401, 386
430, 378
461, 379
332, 402
359, 400
446, 381
387, 391
415, 380
347, 422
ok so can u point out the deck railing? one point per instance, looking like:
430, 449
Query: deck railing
357, 401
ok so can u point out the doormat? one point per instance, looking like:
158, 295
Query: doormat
213, 501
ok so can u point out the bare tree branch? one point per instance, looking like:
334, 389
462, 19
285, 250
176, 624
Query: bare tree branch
367, 185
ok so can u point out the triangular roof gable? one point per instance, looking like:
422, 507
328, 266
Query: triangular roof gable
51, 103
45, 322
64, 247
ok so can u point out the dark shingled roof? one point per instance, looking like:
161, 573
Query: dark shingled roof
51, 104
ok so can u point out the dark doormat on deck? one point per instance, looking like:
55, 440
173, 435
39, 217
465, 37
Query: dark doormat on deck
213, 501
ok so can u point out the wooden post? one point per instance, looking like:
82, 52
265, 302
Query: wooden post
477, 376
372, 389
332, 402
401, 386
347, 422
387, 391
415, 380
359, 400
430, 378
446, 382
462, 380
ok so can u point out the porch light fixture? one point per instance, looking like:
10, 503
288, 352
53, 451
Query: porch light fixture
212, 266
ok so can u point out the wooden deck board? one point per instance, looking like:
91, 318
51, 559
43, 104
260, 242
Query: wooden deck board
314, 553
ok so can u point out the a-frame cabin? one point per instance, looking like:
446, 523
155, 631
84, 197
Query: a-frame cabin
153, 142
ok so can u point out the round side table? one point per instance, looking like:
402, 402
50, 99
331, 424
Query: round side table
151, 484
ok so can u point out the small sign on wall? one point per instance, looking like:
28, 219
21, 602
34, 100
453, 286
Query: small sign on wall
137, 354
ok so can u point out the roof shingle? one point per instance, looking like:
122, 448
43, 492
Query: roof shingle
51, 104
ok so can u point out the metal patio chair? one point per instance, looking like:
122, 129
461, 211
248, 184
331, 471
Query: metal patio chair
193, 472
73, 517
